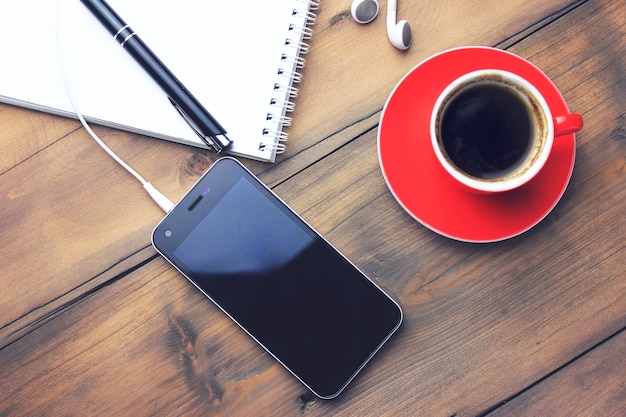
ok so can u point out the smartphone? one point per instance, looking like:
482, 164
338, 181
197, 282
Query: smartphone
277, 278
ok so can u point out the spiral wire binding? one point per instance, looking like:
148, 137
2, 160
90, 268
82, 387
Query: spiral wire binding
295, 60
288, 106
302, 47
284, 120
291, 91
304, 32
291, 60
291, 75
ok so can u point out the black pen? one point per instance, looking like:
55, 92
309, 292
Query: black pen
200, 120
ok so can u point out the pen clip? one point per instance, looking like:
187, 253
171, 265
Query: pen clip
218, 144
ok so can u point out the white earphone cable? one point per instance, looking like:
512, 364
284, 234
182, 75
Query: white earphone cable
163, 202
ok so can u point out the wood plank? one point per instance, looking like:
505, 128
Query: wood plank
26, 132
591, 386
155, 345
58, 210
483, 322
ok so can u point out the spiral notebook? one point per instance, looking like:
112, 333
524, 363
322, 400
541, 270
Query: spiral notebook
239, 58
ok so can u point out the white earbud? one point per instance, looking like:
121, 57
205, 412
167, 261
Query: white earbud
364, 11
399, 33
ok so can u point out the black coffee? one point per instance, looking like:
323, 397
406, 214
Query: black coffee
486, 131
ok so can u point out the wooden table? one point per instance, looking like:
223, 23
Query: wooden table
94, 322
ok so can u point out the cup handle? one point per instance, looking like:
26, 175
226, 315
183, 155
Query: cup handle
569, 123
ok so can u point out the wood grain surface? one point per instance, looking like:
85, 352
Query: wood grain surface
93, 322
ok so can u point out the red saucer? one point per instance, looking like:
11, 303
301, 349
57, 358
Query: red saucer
421, 185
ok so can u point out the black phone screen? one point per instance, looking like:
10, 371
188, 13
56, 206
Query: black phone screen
296, 295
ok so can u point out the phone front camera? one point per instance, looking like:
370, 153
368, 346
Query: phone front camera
168, 233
